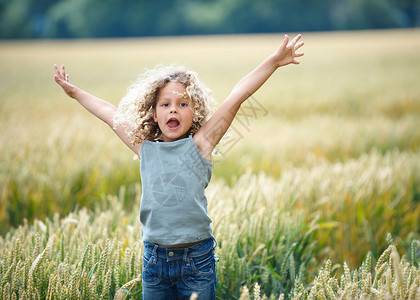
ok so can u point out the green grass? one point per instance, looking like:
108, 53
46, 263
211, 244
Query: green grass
327, 166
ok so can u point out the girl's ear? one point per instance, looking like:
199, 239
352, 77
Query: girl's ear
154, 115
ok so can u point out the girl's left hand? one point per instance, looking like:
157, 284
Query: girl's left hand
287, 54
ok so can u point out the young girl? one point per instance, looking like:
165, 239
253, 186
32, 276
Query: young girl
164, 118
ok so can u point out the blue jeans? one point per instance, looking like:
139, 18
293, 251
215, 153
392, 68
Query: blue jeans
176, 273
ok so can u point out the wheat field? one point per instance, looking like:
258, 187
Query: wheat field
315, 194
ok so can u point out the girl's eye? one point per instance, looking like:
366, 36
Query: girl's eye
183, 104
165, 104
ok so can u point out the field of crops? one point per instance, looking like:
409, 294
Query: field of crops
316, 193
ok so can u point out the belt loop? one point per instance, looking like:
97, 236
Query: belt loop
214, 242
216, 259
154, 254
186, 254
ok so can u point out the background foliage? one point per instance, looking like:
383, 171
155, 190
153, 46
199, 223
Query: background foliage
122, 18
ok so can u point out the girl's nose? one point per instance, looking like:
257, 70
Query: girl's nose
173, 109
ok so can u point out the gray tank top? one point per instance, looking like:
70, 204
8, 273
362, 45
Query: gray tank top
173, 207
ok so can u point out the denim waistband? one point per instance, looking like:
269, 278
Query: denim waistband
173, 253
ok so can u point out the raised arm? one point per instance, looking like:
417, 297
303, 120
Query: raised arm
100, 108
211, 133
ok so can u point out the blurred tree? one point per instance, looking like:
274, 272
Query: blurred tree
24, 18
13, 19
116, 18
113, 18
92, 18
248, 16
410, 12
365, 14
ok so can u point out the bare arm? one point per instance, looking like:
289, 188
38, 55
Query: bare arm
100, 108
211, 133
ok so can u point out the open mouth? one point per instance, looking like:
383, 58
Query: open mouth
173, 124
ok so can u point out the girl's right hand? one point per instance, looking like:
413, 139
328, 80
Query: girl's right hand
63, 80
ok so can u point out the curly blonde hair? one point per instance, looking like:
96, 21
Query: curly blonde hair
136, 108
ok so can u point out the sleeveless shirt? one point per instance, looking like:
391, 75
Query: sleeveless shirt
173, 206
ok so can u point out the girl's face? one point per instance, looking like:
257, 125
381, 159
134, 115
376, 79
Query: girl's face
173, 112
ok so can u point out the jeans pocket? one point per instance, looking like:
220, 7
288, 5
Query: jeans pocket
199, 272
152, 271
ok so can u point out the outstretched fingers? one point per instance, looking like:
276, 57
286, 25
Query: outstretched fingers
57, 75
63, 73
297, 46
296, 38
294, 41
285, 41
60, 75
